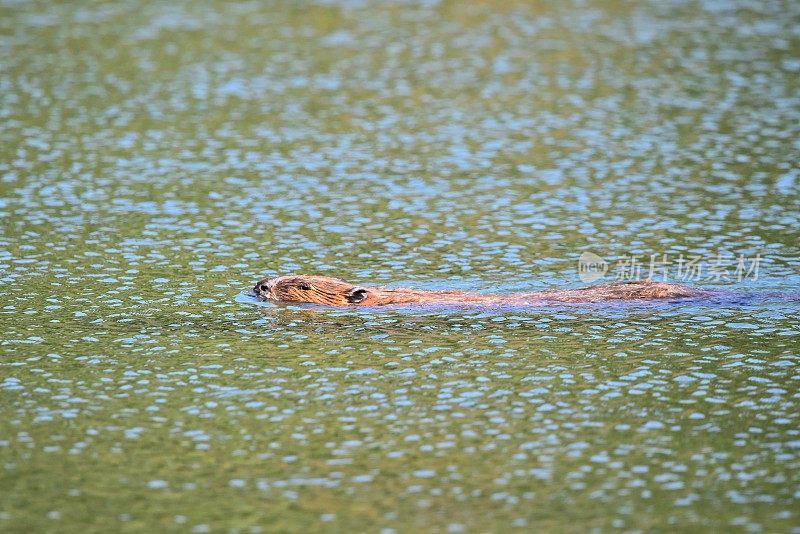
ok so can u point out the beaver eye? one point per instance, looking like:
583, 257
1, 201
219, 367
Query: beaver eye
304, 286
264, 287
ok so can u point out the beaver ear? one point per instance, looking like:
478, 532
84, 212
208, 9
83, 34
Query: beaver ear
356, 295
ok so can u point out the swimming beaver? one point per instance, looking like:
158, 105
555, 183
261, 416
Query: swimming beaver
338, 292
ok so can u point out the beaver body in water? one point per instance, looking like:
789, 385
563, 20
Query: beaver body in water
337, 292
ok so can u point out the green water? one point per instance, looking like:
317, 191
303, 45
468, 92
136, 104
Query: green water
157, 159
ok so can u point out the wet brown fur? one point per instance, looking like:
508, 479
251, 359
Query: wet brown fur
337, 292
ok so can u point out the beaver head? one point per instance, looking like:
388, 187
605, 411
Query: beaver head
311, 289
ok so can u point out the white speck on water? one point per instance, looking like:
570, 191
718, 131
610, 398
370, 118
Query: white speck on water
652, 425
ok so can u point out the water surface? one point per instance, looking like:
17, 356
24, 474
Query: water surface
158, 159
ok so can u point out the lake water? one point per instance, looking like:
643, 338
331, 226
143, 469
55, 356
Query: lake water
157, 159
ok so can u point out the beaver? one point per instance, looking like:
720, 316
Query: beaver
331, 291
